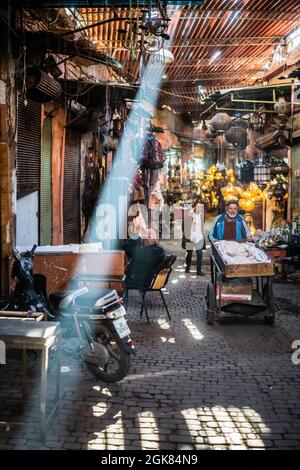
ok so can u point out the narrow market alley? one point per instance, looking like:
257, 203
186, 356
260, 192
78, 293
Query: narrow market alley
191, 386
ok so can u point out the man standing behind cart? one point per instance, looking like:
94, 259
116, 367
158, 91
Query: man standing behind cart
230, 225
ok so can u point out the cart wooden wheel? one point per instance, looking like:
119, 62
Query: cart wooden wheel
211, 304
268, 296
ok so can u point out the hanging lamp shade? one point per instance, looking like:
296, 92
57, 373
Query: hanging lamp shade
282, 108
279, 191
220, 123
246, 204
238, 122
237, 136
262, 171
209, 134
229, 191
229, 172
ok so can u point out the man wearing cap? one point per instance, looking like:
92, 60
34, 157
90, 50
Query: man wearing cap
230, 225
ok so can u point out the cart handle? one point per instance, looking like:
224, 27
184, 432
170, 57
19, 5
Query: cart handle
215, 263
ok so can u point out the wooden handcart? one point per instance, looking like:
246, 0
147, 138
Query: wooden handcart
244, 289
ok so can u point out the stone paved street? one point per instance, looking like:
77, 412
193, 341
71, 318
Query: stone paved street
191, 386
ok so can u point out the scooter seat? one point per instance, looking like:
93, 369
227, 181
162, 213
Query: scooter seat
64, 300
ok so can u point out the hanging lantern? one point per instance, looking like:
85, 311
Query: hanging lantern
229, 190
253, 187
238, 122
220, 123
246, 195
237, 136
231, 197
246, 171
246, 205
209, 134
282, 108
262, 171
279, 191
265, 195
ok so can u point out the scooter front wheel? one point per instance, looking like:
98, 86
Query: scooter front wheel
118, 362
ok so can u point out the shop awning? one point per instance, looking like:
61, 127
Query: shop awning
92, 94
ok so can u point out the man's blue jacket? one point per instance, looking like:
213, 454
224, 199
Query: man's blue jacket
217, 230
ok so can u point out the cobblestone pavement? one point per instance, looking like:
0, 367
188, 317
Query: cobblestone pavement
191, 386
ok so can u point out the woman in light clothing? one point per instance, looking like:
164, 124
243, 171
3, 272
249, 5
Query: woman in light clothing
193, 236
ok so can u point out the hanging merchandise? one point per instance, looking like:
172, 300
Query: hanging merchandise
246, 204
282, 108
262, 171
138, 190
237, 136
209, 134
152, 156
246, 170
159, 155
220, 123
138, 194
238, 122
154, 175
117, 127
156, 199
278, 188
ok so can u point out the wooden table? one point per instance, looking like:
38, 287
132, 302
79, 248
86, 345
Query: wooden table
25, 316
60, 268
20, 334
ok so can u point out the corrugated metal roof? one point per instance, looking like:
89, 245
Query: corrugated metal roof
244, 32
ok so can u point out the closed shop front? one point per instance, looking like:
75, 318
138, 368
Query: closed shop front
71, 200
46, 184
28, 172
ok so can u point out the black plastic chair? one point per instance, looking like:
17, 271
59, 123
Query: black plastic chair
156, 282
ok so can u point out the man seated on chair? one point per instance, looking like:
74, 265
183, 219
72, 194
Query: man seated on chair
144, 258
134, 239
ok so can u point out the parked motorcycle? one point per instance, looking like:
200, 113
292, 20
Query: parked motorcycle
24, 296
93, 322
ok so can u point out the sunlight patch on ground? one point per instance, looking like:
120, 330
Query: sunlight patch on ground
148, 428
100, 409
110, 437
163, 324
167, 340
226, 426
192, 328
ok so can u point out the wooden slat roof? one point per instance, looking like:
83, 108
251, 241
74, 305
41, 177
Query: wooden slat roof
244, 31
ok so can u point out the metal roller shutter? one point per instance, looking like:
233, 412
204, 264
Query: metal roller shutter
46, 184
72, 188
28, 147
